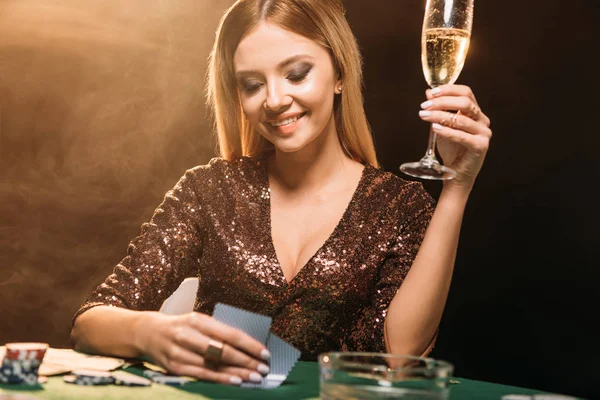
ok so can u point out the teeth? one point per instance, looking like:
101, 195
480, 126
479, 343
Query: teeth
286, 121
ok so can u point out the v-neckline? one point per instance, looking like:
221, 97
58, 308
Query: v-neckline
339, 225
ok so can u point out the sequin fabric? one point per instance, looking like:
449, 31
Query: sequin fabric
215, 224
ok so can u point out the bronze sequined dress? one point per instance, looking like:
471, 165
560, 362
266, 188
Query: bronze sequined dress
216, 224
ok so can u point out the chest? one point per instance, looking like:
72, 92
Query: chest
300, 228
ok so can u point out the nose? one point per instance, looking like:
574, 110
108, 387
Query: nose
277, 97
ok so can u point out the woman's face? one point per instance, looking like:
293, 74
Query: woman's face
287, 85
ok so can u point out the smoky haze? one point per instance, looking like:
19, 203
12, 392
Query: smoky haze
101, 111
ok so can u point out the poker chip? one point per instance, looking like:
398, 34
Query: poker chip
21, 362
26, 351
89, 378
70, 378
128, 379
173, 380
516, 397
15, 371
151, 374
552, 397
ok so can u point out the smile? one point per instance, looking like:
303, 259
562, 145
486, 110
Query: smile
287, 121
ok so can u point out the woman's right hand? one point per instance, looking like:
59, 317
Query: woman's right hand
178, 344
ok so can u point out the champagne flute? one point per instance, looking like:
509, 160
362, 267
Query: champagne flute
444, 45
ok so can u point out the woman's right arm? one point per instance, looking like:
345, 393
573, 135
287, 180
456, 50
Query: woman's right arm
118, 318
174, 342
110, 331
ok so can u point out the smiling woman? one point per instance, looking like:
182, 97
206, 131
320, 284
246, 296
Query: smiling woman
289, 102
313, 29
295, 220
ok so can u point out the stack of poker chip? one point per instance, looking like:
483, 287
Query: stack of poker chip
93, 378
22, 362
88, 377
166, 379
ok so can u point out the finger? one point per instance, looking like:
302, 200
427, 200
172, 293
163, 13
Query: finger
198, 343
245, 374
478, 144
205, 374
178, 356
463, 104
235, 337
233, 356
453, 90
455, 121
238, 348
473, 110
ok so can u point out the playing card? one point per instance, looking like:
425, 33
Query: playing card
283, 358
255, 325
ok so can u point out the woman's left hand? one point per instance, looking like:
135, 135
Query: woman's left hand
463, 131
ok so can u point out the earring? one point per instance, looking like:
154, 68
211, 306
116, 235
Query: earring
339, 89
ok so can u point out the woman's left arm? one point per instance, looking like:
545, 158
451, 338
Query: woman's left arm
463, 138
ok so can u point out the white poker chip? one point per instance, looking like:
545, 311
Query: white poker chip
128, 379
70, 378
170, 380
91, 377
173, 380
516, 397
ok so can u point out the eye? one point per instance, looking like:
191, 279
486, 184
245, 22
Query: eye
298, 75
250, 87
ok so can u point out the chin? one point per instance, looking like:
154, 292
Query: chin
288, 144
289, 148
291, 145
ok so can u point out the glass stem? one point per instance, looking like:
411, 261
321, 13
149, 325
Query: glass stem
430, 153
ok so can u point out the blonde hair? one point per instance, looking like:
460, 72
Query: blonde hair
322, 21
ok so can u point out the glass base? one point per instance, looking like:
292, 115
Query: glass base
428, 170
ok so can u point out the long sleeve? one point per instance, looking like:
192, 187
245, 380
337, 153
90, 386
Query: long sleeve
413, 209
166, 252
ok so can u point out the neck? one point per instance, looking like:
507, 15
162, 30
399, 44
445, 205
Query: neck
314, 166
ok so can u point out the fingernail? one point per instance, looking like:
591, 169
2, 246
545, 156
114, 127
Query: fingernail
436, 127
426, 104
263, 369
235, 380
436, 91
425, 113
265, 354
254, 377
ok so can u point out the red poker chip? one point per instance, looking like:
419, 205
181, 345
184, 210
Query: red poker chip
26, 351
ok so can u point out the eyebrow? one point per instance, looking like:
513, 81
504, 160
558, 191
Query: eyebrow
281, 65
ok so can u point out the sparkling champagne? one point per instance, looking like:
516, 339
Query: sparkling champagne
443, 54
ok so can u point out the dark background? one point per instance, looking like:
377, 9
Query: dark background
101, 111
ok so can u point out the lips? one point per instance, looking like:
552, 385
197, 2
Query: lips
287, 125
287, 120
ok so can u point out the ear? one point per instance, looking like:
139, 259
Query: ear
338, 87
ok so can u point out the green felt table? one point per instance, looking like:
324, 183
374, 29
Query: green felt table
302, 383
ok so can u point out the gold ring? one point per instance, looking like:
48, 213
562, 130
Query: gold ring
453, 123
214, 351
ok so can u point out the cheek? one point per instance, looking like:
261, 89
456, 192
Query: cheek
318, 97
251, 108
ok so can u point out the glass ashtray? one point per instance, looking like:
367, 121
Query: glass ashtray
365, 376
